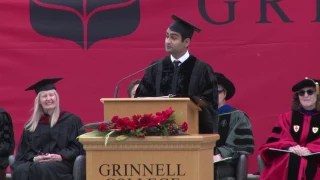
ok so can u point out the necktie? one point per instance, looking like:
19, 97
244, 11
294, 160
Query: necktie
176, 63
175, 76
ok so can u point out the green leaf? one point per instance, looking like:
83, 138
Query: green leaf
172, 117
152, 130
92, 134
139, 130
166, 122
179, 114
94, 126
175, 115
107, 138
122, 137
165, 132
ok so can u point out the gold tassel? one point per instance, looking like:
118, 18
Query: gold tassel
317, 85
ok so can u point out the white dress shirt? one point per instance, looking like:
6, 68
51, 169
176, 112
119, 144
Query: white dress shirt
182, 58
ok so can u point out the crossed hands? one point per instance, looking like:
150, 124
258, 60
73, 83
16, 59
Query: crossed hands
47, 158
300, 151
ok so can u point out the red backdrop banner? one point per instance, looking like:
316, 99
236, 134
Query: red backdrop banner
263, 46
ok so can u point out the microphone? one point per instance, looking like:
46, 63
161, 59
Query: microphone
117, 87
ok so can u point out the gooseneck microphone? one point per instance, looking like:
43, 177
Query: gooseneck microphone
117, 87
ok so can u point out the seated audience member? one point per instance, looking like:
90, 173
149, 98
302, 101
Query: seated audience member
48, 146
235, 132
7, 142
296, 131
132, 88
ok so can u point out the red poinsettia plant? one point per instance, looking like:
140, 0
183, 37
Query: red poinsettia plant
162, 124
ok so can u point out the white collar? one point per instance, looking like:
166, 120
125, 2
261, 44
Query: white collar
182, 58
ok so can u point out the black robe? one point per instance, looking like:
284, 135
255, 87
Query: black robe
60, 139
236, 138
7, 142
195, 78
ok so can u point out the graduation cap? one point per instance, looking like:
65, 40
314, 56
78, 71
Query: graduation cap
44, 85
306, 83
183, 27
227, 84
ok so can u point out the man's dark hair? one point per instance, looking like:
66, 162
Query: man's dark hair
131, 85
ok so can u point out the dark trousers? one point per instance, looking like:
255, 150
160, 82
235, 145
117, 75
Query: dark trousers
224, 171
3, 173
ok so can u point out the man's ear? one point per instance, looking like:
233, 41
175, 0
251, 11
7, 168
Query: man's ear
186, 42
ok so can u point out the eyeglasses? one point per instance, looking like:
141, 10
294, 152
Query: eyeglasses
309, 92
220, 90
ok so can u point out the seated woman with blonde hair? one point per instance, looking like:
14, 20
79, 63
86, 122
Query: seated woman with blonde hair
295, 139
48, 146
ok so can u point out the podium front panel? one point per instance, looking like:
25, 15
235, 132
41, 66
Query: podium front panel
150, 158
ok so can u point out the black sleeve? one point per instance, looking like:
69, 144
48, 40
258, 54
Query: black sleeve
7, 142
147, 85
75, 148
208, 118
25, 152
209, 87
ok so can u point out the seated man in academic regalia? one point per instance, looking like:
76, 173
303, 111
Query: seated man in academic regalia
295, 137
132, 88
235, 132
183, 75
48, 146
7, 142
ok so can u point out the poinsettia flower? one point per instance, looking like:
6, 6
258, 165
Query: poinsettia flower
134, 124
159, 120
114, 119
147, 121
169, 111
122, 123
164, 115
125, 121
136, 117
144, 125
161, 116
119, 128
184, 127
102, 127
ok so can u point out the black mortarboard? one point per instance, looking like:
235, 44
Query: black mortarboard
227, 84
306, 83
44, 85
183, 27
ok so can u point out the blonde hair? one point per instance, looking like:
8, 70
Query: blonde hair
38, 112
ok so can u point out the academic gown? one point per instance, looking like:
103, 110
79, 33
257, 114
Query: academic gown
236, 138
292, 128
195, 78
6, 138
60, 139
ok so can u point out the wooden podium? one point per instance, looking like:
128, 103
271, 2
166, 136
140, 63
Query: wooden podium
181, 157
